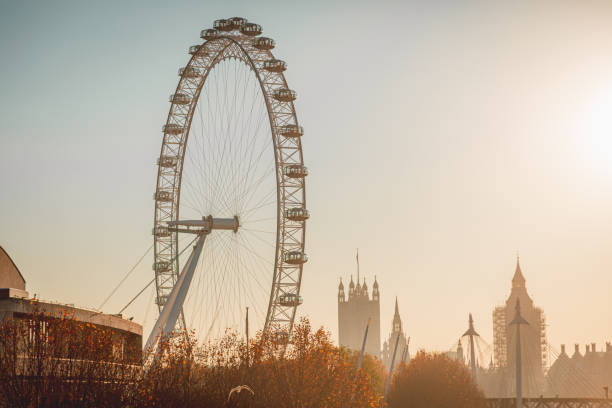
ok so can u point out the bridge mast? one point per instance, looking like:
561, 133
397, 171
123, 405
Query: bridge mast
471, 333
518, 320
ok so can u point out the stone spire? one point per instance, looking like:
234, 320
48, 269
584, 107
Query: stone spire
518, 281
375, 292
397, 321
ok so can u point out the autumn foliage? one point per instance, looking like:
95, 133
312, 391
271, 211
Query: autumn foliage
48, 361
51, 361
433, 380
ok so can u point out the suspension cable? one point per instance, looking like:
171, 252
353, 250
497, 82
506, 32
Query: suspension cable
153, 280
124, 278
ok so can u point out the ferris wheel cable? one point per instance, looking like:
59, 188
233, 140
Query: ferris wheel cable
125, 277
265, 196
254, 276
259, 238
261, 220
148, 309
153, 280
224, 272
249, 193
246, 246
252, 292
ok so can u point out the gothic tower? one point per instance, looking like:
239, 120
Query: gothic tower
533, 339
354, 312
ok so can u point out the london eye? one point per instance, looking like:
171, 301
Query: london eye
230, 201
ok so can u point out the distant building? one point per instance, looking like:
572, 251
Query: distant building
15, 303
533, 339
403, 353
457, 355
354, 311
580, 375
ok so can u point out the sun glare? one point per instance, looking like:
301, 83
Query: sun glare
595, 133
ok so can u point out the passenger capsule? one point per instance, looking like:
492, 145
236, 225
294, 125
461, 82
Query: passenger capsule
251, 29
222, 25
291, 131
167, 161
264, 43
189, 72
295, 258
209, 34
290, 299
161, 231
297, 214
180, 99
161, 266
237, 22
172, 129
296, 171
197, 49
275, 65
163, 196
284, 95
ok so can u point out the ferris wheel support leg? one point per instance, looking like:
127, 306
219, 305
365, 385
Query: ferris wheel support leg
166, 322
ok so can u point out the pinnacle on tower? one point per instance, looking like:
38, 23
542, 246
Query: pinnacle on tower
518, 281
397, 321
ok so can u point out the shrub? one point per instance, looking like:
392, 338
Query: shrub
433, 380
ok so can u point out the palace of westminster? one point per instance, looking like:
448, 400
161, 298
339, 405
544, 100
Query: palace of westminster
578, 375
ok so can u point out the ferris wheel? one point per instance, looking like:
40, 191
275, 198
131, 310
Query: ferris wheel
230, 201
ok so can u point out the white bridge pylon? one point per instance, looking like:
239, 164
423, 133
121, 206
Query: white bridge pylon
166, 322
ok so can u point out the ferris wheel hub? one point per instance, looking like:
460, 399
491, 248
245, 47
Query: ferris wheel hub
205, 225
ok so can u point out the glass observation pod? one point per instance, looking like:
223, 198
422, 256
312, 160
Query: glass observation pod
285, 95
194, 49
165, 196
189, 72
296, 171
295, 258
167, 161
180, 99
209, 34
264, 43
161, 266
290, 299
172, 129
161, 231
237, 22
297, 214
222, 25
275, 65
291, 131
251, 29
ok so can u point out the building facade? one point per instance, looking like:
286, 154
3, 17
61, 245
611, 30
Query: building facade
16, 305
581, 375
354, 311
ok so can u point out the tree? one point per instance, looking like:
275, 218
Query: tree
433, 380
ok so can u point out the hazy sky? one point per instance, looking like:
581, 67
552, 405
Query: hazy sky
441, 138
